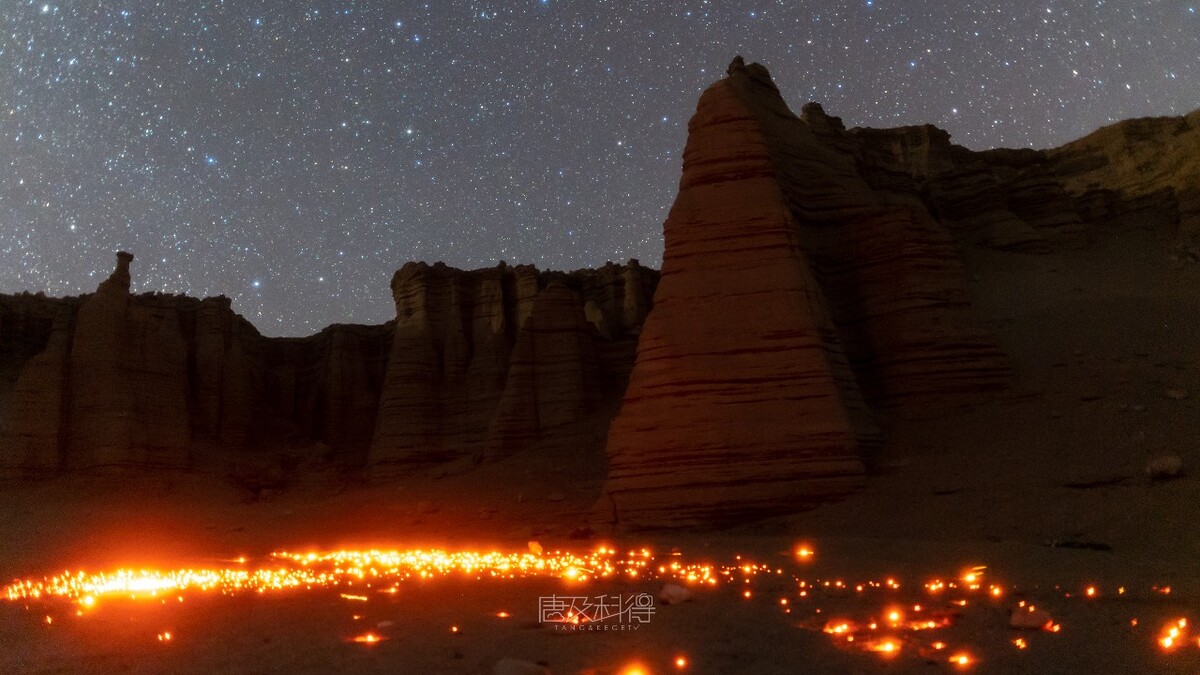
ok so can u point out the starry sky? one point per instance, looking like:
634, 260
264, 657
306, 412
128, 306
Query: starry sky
292, 154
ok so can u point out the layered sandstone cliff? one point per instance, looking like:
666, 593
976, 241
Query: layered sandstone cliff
794, 297
486, 362
481, 363
124, 380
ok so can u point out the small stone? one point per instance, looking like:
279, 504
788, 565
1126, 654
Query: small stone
1177, 394
673, 594
1138, 408
1030, 618
1164, 467
385, 624
535, 547
555, 497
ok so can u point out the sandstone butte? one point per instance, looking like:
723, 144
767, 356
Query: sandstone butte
811, 289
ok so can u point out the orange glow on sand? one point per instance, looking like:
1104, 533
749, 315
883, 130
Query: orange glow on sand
1173, 634
346, 569
368, 638
962, 660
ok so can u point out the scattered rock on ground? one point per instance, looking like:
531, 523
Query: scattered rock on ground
1164, 467
508, 666
673, 594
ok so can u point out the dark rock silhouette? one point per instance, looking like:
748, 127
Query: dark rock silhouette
114, 380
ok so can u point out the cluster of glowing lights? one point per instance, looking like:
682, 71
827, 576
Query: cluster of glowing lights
357, 575
360, 576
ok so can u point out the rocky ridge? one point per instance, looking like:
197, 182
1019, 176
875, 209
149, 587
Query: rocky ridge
117, 380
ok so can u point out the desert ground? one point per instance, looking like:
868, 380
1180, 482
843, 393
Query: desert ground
1044, 485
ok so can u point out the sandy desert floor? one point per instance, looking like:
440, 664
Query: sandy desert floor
1044, 485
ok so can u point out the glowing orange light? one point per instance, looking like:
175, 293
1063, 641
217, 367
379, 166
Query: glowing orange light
635, 669
164, 637
453, 629
1020, 643
805, 552
962, 660
681, 662
1091, 591
939, 645
49, 619
1173, 634
357, 598
887, 647
746, 594
837, 627
368, 638
894, 616
503, 615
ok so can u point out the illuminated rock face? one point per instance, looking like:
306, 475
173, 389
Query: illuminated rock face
791, 290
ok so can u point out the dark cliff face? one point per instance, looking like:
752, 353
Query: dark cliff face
119, 380
114, 379
486, 362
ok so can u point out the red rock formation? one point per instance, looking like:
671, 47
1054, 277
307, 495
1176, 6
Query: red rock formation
739, 403
791, 287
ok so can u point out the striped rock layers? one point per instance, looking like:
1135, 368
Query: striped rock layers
789, 289
486, 362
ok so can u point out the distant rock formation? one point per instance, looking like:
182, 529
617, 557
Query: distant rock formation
490, 361
481, 363
124, 380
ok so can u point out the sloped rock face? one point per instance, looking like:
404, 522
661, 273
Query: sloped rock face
790, 288
489, 361
1135, 173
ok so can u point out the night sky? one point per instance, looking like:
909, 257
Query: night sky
293, 154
